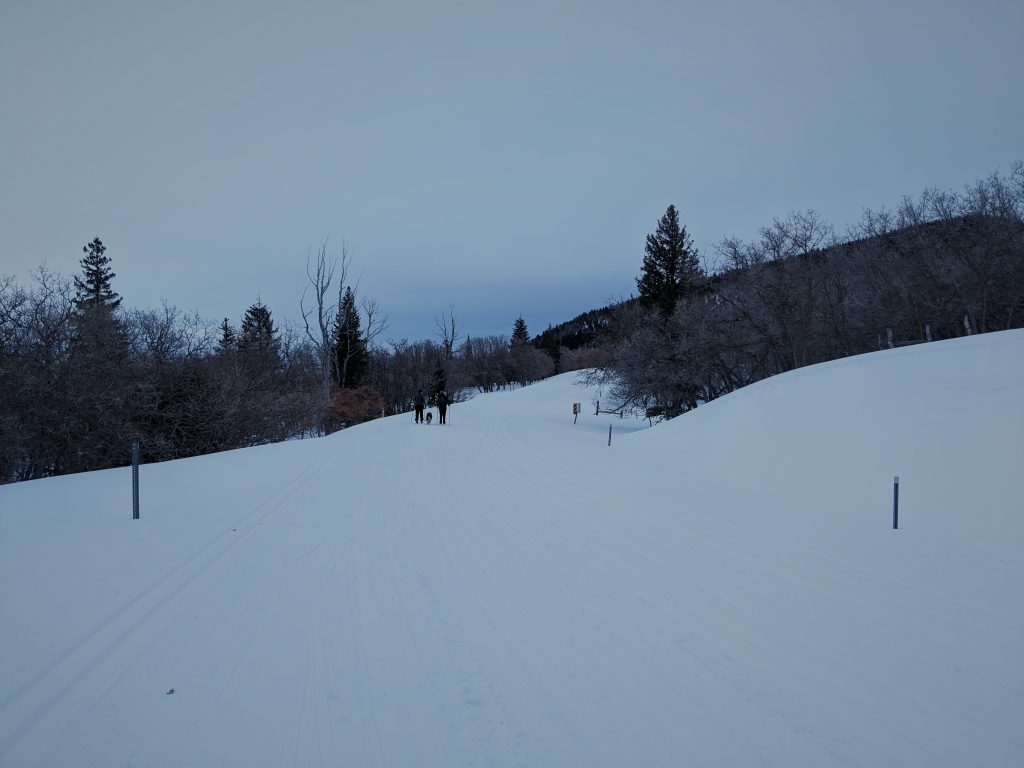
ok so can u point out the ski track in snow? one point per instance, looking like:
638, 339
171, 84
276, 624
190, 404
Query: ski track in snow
93, 664
507, 590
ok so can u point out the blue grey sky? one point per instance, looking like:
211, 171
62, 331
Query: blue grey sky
495, 157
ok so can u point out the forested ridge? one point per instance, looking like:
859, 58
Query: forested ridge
943, 265
83, 376
589, 329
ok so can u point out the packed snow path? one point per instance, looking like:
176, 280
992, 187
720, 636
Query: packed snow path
507, 590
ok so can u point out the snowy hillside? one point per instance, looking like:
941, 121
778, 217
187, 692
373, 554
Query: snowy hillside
724, 589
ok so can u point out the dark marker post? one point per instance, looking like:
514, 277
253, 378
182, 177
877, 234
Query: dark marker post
135, 480
609, 434
896, 502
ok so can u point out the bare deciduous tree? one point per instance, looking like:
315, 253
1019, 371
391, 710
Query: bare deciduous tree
448, 332
318, 317
376, 322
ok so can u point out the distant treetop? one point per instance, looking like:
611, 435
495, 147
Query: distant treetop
93, 290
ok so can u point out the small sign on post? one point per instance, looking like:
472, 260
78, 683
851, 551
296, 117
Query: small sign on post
576, 407
135, 480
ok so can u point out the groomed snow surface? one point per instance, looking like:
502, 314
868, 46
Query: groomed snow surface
725, 589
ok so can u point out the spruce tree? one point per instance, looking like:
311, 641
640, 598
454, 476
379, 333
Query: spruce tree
440, 380
93, 291
519, 333
100, 377
671, 270
258, 333
99, 332
351, 357
551, 343
259, 347
228, 341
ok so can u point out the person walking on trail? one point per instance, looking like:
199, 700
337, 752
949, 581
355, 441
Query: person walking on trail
442, 406
418, 405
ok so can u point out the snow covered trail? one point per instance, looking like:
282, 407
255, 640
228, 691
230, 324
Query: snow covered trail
507, 590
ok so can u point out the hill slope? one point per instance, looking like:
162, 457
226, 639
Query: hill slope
722, 589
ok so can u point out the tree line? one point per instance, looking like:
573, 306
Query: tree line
943, 265
83, 376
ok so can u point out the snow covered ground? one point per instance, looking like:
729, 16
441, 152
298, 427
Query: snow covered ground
722, 590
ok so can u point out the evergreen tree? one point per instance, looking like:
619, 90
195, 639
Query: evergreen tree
99, 331
671, 270
228, 341
551, 342
258, 333
440, 380
100, 376
351, 356
259, 348
93, 290
519, 333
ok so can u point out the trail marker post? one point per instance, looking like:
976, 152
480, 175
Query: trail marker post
575, 412
609, 435
135, 480
896, 502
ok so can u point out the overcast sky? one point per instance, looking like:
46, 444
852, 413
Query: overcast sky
495, 157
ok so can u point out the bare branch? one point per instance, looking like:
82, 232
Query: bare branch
376, 323
448, 331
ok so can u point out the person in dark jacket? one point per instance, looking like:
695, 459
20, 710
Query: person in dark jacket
418, 405
442, 406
